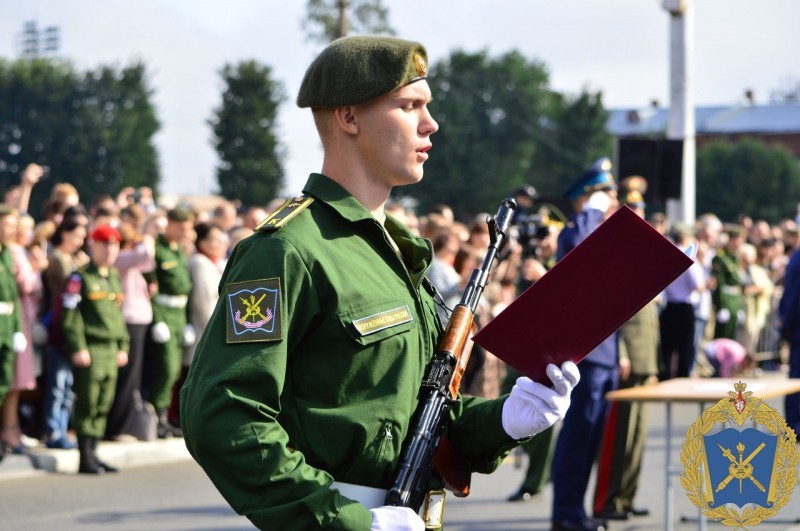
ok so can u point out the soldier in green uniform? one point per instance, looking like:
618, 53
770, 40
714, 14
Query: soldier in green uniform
12, 340
171, 330
302, 389
97, 340
727, 295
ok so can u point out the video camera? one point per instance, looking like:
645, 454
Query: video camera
528, 230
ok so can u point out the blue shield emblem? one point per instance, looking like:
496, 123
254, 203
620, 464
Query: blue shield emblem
740, 465
253, 311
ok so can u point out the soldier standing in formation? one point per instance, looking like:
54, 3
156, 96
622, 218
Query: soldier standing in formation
97, 340
171, 331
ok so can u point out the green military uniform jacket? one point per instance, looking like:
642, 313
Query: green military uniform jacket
639, 340
310, 367
93, 310
10, 321
728, 293
171, 274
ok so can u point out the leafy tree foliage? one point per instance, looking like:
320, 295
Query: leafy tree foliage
747, 177
245, 134
327, 20
91, 129
501, 126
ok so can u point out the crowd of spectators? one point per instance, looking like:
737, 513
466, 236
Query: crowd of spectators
37, 408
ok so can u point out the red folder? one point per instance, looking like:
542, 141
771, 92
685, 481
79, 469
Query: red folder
621, 266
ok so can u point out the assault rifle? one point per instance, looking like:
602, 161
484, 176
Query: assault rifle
426, 448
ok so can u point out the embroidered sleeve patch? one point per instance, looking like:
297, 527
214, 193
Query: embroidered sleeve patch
380, 321
254, 311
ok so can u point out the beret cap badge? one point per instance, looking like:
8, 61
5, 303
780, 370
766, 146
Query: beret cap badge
419, 64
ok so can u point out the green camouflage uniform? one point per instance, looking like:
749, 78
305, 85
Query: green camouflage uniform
310, 367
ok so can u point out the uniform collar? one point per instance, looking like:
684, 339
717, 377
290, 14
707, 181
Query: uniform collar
329, 191
416, 251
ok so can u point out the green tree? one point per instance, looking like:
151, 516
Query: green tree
327, 20
245, 134
500, 126
747, 177
579, 138
91, 129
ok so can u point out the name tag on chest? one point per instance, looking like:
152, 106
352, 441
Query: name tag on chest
381, 321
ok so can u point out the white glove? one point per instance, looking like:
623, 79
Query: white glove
531, 407
160, 332
20, 342
388, 518
189, 335
723, 316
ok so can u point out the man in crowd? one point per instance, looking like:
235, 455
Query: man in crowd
303, 387
594, 198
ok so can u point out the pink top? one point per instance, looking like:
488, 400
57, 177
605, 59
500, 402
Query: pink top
30, 293
728, 353
132, 263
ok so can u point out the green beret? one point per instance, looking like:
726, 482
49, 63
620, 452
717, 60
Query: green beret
353, 70
180, 214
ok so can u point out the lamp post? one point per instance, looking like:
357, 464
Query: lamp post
681, 123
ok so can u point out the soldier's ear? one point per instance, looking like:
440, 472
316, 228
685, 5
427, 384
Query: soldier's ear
346, 119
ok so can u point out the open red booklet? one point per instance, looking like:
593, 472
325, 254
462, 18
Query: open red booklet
585, 297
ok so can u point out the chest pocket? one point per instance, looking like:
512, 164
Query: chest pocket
374, 322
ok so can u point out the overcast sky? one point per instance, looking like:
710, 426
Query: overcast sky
619, 47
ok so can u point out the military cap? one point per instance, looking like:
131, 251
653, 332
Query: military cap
105, 233
633, 189
597, 177
526, 191
356, 69
180, 214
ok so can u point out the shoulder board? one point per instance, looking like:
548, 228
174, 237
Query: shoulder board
289, 209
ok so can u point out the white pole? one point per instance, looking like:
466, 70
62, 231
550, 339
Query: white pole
680, 124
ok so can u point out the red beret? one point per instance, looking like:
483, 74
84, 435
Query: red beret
105, 233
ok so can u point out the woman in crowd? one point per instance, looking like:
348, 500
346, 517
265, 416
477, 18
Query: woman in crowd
136, 257
29, 261
205, 267
66, 257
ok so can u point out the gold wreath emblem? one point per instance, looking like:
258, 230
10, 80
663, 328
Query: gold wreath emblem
736, 409
419, 64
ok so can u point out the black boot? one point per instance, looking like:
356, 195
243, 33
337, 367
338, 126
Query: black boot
165, 430
105, 466
88, 463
